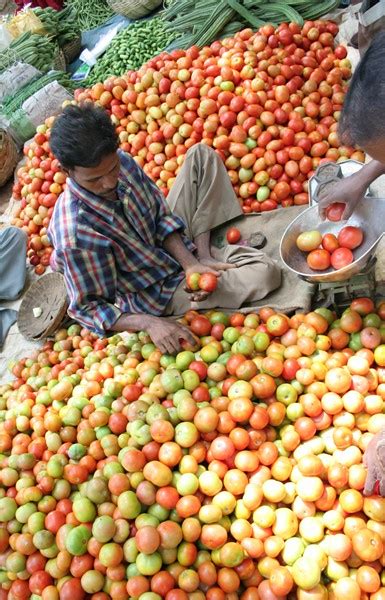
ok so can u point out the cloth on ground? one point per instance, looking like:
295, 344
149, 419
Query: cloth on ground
294, 294
13, 244
203, 197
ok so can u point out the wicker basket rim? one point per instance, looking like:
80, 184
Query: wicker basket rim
49, 294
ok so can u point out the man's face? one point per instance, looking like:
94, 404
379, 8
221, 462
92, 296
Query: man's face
101, 180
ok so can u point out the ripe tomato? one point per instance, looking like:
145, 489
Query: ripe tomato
350, 237
200, 325
319, 260
335, 211
330, 242
208, 282
277, 324
364, 306
233, 235
342, 257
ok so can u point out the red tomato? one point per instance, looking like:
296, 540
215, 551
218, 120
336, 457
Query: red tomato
330, 242
340, 52
233, 235
319, 260
341, 258
208, 282
200, 325
350, 237
335, 211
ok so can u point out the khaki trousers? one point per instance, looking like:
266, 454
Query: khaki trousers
203, 197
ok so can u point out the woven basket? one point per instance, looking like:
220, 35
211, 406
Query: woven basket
48, 294
72, 49
133, 9
59, 61
8, 156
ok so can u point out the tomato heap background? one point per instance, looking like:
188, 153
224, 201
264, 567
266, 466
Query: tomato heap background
267, 102
233, 470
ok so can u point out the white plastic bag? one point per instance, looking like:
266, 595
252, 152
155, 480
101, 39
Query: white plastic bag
5, 37
16, 77
90, 56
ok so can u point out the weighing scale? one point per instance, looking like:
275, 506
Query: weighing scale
337, 288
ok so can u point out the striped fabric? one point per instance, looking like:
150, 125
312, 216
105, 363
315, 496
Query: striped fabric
111, 252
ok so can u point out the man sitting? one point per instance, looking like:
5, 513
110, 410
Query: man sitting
125, 251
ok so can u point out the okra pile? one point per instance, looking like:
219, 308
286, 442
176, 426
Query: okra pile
131, 48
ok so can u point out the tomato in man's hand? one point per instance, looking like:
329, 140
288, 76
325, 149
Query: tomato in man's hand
335, 211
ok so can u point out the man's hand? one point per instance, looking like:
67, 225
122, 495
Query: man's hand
210, 263
374, 460
199, 267
167, 334
349, 191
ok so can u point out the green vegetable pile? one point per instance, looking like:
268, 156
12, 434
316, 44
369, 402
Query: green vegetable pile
31, 48
200, 22
89, 14
12, 103
61, 25
131, 48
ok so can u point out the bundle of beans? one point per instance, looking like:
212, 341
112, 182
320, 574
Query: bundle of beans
267, 102
199, 22
31, 48
131, 48
59, 25
89, 14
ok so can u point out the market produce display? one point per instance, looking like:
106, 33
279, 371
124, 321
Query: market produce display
131, 48
268, 102
200, 22
89, 14
232, 470
59, 25
328, 250
30, 48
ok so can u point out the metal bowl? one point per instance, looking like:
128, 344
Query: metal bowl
369, 215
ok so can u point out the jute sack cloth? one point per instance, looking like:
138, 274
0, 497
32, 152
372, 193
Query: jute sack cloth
203, 197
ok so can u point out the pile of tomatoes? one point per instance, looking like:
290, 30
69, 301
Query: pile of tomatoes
231, 470
330, 250
40, 183
268, 102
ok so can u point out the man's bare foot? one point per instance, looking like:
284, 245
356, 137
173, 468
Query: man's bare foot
208, 261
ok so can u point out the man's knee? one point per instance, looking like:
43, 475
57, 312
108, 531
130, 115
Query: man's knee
13, 238
201, 151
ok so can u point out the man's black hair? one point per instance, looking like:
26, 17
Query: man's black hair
363, 118
82, 136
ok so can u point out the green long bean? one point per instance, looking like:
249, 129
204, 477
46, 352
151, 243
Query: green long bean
90, 13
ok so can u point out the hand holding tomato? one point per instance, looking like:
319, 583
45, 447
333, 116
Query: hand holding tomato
200, 284
374, 460
349, 191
